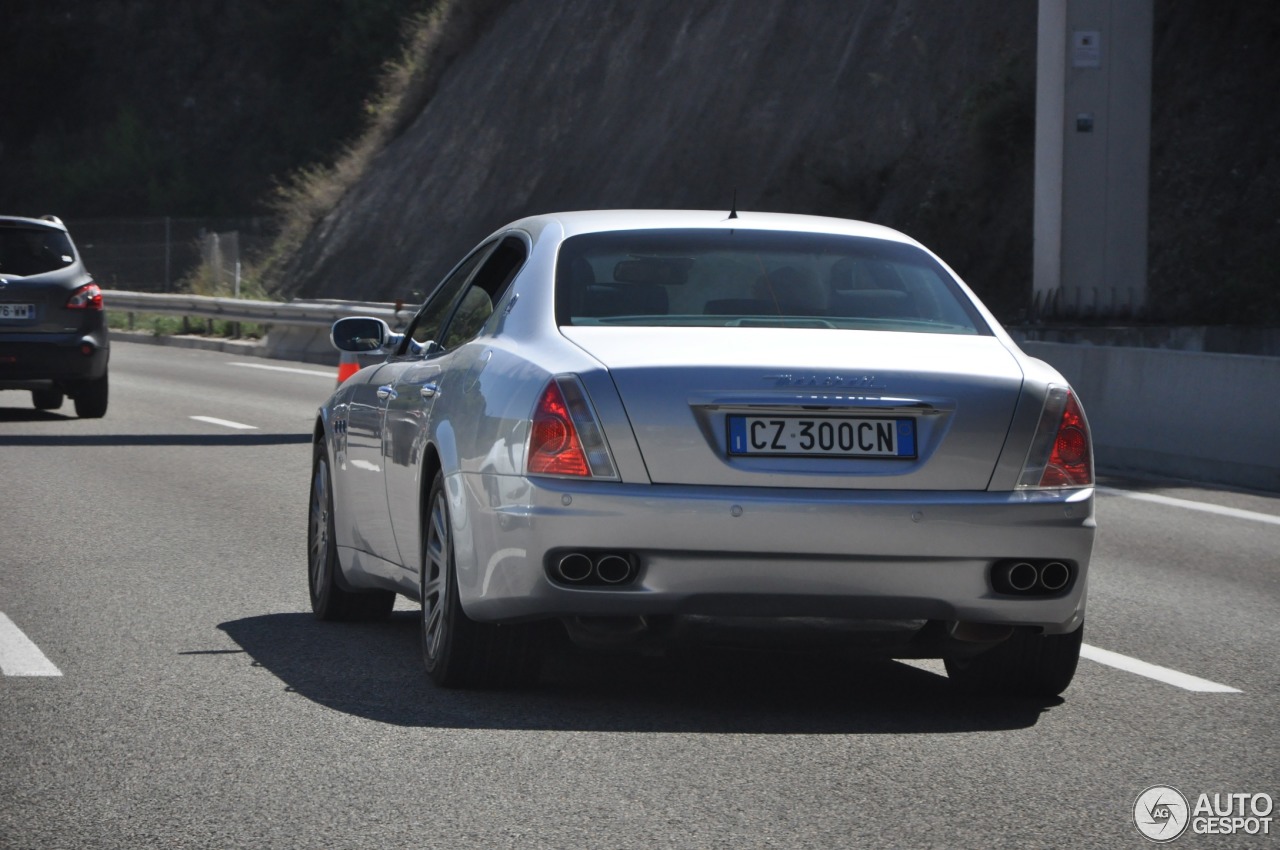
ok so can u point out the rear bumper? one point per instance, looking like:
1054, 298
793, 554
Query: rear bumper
722, 551
33, 360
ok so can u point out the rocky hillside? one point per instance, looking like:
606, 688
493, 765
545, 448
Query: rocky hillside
912, 113
872, 109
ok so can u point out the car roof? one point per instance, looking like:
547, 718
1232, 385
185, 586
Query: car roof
48, 221
602, 221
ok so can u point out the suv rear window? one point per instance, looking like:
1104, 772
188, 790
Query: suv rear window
34, 250
746, 278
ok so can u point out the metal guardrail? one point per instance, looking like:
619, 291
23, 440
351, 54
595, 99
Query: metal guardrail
314, 314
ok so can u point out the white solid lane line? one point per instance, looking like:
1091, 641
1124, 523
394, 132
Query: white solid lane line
1154, 671
19, 656
328, 376
1204, 507
225, 423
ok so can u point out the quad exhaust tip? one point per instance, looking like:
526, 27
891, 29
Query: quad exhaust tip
603, 568
1030, 578
574, 568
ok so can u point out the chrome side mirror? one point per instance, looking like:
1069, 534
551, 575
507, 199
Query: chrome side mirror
360, 334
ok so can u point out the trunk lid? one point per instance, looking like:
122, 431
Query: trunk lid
43, 300
950, 397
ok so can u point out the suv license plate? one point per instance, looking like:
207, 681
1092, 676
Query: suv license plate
821, 436
17, 311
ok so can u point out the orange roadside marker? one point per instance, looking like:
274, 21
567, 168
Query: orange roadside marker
348, 365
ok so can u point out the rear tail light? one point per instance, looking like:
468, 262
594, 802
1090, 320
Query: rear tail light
564, 437
1061, 454
87, 297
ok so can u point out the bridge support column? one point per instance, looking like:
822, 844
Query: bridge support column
1093, 140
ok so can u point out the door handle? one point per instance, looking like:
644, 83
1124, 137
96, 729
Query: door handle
429, 390
386, 391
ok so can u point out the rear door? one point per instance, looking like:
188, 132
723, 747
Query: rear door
442, 370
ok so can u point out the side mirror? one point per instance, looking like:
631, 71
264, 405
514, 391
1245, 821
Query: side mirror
361, 335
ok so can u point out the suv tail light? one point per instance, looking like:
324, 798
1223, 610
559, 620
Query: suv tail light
564, 438
1061, 453
87, 297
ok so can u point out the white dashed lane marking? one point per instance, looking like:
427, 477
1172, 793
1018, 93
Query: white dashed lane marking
19, 656
1119, 662
1154, 671
225, 423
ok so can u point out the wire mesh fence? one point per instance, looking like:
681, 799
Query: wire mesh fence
155, 254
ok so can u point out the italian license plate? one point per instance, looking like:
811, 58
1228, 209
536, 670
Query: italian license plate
821, 436
17, 311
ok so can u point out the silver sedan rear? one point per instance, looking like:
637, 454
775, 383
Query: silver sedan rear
680, 426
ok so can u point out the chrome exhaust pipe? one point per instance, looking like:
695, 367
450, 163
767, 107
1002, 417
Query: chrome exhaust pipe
574, 567
1054, 575
1019, 577
613, 569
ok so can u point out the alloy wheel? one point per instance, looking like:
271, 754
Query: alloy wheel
435, 579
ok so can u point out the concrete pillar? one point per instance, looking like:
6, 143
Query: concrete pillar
1093, 141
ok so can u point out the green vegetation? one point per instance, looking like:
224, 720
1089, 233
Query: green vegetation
164, 325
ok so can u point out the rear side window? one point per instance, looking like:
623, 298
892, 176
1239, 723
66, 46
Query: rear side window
486, 290
745, 278
465, 301
34, 250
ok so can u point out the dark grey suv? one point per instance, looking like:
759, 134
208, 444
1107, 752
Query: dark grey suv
53, 331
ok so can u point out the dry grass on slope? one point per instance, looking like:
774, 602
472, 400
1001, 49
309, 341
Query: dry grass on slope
432, 41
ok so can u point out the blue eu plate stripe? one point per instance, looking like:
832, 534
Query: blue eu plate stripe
737, 434
906, 438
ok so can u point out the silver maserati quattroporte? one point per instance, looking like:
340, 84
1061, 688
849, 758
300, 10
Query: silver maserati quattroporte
641, 428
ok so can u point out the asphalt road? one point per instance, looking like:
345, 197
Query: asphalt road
156, 564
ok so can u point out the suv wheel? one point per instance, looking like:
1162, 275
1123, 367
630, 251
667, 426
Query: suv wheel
50, 399
91, 398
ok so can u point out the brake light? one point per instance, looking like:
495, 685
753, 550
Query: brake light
554, 447
1070, 462
1061, 455
87, 297
564, 438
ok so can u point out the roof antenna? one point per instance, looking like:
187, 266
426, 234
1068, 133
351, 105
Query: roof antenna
733, 213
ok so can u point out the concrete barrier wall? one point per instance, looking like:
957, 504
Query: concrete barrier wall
1210, 417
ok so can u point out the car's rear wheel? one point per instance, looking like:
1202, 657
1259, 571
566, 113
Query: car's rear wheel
91, 398
1026, 664
329, 600
50, 399
456, 650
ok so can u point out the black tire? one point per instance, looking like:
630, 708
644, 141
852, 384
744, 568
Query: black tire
91, 398
459, 652
329, 600
1027, 664
50, 399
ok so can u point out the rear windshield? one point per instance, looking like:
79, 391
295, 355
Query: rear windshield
33, 250
746, 278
